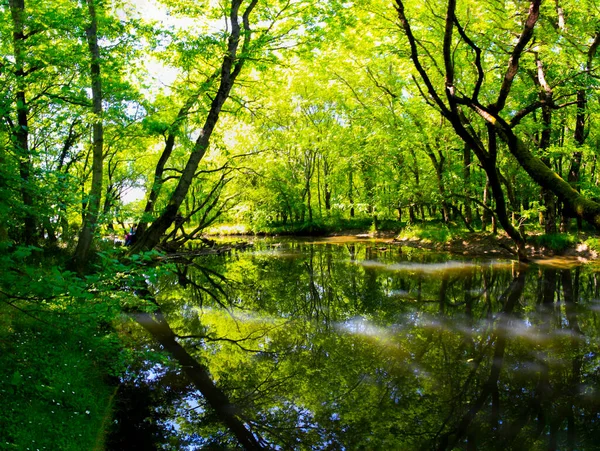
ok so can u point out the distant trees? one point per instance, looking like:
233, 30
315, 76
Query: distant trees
364, 112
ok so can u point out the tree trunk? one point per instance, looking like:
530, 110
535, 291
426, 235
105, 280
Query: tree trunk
309, 169
21, 132
468, 214
230, 68
489, 165
485, 214
438, 165
546, 95
319, 187
411, 214
351, 193
326, 187
93, 205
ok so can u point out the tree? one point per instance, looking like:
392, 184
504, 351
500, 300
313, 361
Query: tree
93, 203
20, 130
231, 66
454, 100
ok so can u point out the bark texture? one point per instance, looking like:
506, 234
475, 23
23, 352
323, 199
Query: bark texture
93, 204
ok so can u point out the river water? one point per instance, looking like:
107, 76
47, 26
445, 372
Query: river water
344, 344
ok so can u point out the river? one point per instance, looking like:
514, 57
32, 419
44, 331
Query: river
345, 344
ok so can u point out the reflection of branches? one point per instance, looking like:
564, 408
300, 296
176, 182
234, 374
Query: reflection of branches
490, 387
286, 442
351, 389
200, 376
259, 393
203, 289
462, 392
254, 335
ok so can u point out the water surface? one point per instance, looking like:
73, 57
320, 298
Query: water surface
346, 344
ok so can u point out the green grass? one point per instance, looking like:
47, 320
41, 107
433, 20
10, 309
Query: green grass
433, 232
53, 383
557, 242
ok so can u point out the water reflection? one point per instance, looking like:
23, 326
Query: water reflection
337, 348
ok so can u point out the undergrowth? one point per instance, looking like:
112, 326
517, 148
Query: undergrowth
54, 389
558, 242
315, 227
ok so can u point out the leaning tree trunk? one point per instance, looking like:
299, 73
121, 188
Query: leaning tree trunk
232, 65
581, 207
93, 205
159, 170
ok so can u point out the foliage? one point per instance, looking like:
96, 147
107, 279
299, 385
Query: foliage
432, 233
593, 243
557, 242
61, 357
54, 379
281, 117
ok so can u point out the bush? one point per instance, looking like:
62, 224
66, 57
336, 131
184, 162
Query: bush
432, 232
558, 242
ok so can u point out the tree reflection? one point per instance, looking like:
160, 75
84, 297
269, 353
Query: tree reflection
340, 347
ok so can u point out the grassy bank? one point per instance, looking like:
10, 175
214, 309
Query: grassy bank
318, 227
59, 354
428, 234
56, 393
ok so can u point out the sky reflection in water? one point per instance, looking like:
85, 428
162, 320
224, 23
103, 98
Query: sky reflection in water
352, 345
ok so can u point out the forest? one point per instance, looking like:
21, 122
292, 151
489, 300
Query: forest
181, 120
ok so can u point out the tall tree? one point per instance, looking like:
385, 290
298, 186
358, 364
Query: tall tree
93, 203
231, 66
20, 130
458, 101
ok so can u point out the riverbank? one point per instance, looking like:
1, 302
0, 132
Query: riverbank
58, 394
478, 244
436, 236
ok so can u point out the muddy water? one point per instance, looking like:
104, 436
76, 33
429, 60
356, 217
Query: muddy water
359, 344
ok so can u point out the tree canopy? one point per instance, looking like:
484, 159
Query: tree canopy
166, 118
269, 113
